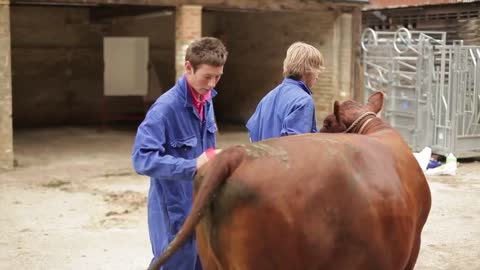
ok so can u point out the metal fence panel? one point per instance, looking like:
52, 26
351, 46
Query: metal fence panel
433, 89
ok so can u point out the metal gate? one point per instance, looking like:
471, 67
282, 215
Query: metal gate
433, 89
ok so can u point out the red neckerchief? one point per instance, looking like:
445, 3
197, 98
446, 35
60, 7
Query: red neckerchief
198, 100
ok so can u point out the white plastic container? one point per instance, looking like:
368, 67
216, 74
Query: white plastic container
450, 167
423, 157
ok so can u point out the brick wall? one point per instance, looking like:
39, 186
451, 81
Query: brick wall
257, 42
188, 27
57, 58
57, 63
160, 31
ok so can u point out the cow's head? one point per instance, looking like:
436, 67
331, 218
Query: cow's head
345, 113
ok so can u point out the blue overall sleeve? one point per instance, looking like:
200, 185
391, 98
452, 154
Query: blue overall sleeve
149, 156
299, 119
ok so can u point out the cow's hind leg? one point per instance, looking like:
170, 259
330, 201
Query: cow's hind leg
205, 253
414, 254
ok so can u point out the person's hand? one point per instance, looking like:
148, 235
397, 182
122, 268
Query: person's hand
206, 156
201, 160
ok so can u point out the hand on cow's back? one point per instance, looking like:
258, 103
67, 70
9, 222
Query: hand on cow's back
206, 156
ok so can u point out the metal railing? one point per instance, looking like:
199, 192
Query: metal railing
433, 89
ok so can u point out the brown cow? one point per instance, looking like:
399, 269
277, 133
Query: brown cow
311, 202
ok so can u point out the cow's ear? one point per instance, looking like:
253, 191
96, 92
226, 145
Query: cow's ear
375, 101
336, 111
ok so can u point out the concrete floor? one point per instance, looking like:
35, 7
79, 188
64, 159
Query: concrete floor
74, 202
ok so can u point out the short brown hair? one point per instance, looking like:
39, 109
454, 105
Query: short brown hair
302, 58
207, 50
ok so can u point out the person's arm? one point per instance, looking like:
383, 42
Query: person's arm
149, 156
299, 119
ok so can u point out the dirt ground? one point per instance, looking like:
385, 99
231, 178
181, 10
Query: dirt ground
74, 202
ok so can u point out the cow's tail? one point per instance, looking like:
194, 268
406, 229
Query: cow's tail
222, 167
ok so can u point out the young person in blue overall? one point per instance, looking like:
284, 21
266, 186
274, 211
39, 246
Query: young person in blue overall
289, 108
171, 144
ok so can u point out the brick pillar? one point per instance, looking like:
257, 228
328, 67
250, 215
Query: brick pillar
6, 134
342, 56
345, 75
357, 69
188, 27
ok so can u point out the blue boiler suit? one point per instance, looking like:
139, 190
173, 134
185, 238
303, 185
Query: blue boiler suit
286, 110
167, 143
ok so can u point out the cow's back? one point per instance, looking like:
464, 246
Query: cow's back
315, 201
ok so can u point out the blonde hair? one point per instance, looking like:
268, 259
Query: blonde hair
301, 59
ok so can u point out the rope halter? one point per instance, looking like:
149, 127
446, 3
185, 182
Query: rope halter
358, 120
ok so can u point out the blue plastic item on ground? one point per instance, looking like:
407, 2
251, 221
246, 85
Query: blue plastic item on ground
433, 164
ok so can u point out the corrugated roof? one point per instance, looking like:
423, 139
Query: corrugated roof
385, 4
350, 1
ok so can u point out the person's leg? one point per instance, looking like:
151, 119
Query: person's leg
184, 259
198, 264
